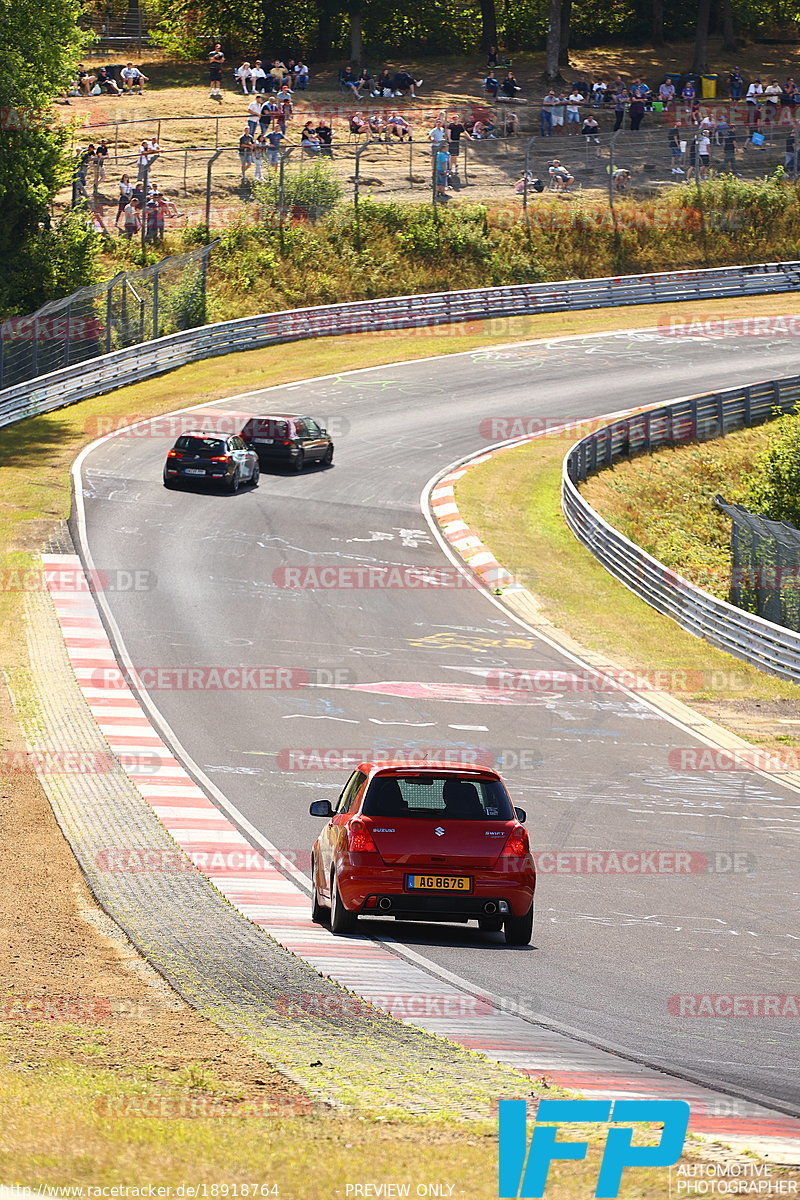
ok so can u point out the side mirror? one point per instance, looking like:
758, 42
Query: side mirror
320, 808
521, 815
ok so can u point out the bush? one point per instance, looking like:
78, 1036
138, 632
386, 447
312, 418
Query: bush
313, 191
773, 489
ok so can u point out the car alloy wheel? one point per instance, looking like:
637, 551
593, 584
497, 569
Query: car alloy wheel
342, 921
320, 913
328, 459
254, 478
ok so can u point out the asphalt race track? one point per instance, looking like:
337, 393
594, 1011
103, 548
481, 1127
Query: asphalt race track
592, 769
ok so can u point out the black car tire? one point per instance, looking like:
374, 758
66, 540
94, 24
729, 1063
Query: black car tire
328, 458
299, 462
320, 913
490, 924
233, 482
254, 478
519, 930
342, 920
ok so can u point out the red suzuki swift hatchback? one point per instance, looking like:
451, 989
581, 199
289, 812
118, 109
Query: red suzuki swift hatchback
432, 842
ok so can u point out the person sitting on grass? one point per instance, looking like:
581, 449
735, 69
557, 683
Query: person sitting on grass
560, 176
491, 85
404, 82
510, 125
383, 85
621, 179
509, 87
107, 84
528, 183
85, 80
133, 79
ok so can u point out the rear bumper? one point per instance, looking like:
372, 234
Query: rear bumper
277, 454
358, 887
176, 473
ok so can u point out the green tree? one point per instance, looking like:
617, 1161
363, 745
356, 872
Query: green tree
41, 44
774, 486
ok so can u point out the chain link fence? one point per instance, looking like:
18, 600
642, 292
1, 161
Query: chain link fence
132, 307
765, 566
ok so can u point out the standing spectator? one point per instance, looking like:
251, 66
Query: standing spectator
125, 189
301, 76
735, 84
215, 59
437, 135
259, 147
456, 129
285, 106
675, 150
636, 112
258, 77
574, 102
772, 100
557, 110
620, 100
590, 129
789, 95
143, 160
546, 115
700, 156
101, 153
132, 223
752, 100
491, 85
790, 157
254, 114
273, 140
729, 151
133, 79
666, 93
268, 113
246, 144
442, 161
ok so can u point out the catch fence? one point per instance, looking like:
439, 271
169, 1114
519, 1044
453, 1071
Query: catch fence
765, 565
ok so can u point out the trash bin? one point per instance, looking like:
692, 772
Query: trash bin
709, 83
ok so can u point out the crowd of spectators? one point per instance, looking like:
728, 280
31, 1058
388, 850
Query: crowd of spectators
124, 79
140, 201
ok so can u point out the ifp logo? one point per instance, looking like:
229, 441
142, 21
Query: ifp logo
523, 1169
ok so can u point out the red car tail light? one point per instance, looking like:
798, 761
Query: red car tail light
516, 844
174, 454
220, 458
359, 838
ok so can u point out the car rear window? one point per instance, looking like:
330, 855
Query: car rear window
200, 445
265, 427
435, 797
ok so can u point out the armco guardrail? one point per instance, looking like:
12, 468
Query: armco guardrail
770, 647
137, 363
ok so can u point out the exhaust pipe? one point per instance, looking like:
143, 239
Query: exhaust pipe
490, 907
384, 903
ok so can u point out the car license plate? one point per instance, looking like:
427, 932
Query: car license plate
265, 441
439, 883
194, 471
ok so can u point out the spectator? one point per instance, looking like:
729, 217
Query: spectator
85, 80
246, 144
376, 126
442, 161
259, 148
621, 179
365, 80
546, 114
397, 126
143, 160
258, 77
772, 100
404, 82
456, 130
216, 58
106, 83
599, 90
350, 82
636, 112
735, 84
509, 87
325, 135
510, 124
309, 140
254, 114
101, 154
133, 79
560, 176
491, 85
675, 149
790, 156
301, 76
493, 57
268, 113
582, 86
437, 135
688, 92
590, 129
752, 100
700, 156
244, 74
729, 151
277, 74
357, 124
132, 223
383, 85
527, 184
666, 93
620, 100
639, 90
574, 102
557, 110
273, 140
125, 189
285, 106
789, 94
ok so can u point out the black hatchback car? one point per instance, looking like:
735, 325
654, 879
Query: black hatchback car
210, 458
284, 439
